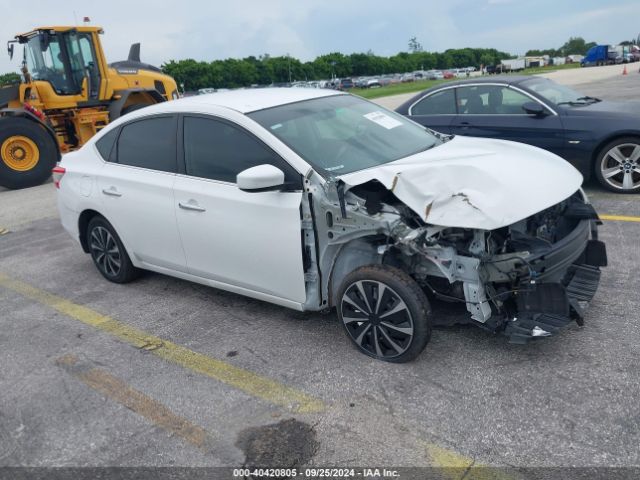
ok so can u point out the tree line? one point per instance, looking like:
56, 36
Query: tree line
573, 46
267, 70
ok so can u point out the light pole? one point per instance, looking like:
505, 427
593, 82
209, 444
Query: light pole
289, 59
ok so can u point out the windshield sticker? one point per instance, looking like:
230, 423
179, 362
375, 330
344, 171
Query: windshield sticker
276, 126
331, 169
383, 120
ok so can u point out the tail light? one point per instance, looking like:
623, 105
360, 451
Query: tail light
58, 173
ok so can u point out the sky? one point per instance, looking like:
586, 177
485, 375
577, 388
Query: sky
209, 30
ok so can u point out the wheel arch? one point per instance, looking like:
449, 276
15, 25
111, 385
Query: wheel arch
356, 253
610, 138
83, 223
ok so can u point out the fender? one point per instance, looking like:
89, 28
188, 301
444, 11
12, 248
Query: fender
115, 108
20, 112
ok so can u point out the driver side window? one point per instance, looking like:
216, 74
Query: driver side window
217, 150
491, 100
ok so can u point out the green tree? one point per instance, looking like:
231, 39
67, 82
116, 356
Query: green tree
10, 78
575, 46
414, 45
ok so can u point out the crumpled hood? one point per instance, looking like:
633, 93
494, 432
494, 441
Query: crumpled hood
476, 182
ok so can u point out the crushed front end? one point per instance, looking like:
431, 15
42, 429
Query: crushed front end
527, 280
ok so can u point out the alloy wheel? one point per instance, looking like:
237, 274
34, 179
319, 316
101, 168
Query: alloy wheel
105, 251
377, 319
620, 166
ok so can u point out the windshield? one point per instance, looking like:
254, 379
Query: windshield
46, 59
342, 134
46, 62
556, 93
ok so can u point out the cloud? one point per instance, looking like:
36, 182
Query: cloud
208, 30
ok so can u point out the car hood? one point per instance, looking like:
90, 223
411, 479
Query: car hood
475, 183
605, 107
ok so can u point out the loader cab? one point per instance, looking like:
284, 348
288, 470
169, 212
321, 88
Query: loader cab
67, 59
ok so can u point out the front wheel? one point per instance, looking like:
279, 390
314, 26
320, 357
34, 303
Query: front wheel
617, 166
385, 313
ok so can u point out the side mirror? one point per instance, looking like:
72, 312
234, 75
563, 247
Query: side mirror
534, 108
260, 178
10, 46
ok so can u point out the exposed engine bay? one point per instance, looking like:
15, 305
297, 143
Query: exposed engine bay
526, 279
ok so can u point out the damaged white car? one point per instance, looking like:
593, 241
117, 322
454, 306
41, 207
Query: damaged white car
314, 199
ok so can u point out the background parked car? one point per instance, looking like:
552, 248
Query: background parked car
345, 84
597, 137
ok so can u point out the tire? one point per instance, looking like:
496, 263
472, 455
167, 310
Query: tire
108, 253
405, 333
617, 166
27, 153
133, 108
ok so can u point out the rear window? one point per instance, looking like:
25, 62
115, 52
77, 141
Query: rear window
105, 144
440, 103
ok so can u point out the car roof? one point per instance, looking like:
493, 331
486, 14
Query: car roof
251, 100
506, 79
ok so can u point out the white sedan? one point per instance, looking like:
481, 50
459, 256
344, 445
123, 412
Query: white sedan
315, 199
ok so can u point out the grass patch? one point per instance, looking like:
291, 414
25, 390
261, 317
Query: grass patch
396, 89
418, 86
550, 68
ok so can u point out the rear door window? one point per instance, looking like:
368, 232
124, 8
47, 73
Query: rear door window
439, 103
149, 143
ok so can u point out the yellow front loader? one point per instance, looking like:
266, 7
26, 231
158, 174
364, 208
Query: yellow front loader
67, 94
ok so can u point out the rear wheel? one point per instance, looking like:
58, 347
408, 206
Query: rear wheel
27, 153
385, 313
108, 252
617, 166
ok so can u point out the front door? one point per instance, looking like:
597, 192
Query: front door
251, 240
496, 111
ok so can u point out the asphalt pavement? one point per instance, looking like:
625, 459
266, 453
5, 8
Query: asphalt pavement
163, 372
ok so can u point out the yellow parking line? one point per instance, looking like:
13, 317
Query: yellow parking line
619, 218
245, 380
453, 466
136, 401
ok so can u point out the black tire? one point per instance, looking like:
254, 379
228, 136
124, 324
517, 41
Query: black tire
133, 108
407, 330
12, 153
615, 175
108, 253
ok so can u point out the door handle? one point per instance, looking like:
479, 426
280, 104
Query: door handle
111, 192
191, 206
465, 125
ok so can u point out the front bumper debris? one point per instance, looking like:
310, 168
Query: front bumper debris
579, 289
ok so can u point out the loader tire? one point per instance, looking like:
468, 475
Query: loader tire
27, 153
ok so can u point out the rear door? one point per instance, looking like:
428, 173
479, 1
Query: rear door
250, 240
136, 187
495, 111
436, 110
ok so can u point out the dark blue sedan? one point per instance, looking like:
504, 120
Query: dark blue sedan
597, 137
